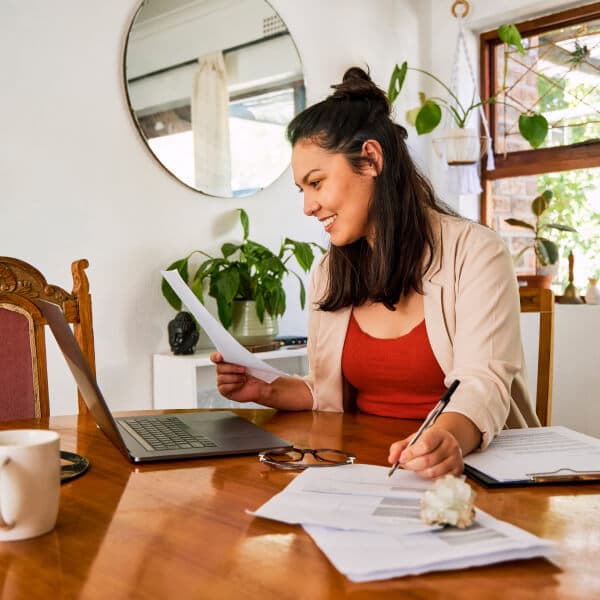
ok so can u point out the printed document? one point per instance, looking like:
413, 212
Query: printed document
521, 454
387, 555
231, 350
370, 528
350, 497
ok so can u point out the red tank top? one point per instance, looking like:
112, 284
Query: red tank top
398, 377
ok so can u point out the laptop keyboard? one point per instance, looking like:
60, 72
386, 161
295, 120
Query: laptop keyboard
169, 433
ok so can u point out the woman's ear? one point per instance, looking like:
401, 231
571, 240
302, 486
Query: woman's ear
371, 150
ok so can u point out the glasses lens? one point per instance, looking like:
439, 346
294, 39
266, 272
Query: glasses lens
332, 456
283, 457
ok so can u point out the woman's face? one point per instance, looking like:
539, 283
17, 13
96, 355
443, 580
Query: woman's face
333, 192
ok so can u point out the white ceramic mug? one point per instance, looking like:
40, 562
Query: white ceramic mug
29, 482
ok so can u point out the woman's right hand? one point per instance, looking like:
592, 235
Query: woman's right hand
234, 383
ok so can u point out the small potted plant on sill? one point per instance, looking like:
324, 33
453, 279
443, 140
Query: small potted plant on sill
246, 282
546, 251
462, 144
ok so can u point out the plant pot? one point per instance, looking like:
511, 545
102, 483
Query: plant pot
246, 327
551, 270
460, 146
535, 281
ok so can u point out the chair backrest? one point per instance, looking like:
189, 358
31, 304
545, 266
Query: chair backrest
23, 368
542, 301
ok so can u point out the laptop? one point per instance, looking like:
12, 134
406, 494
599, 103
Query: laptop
146, 438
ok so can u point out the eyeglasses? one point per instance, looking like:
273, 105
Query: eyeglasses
290, 459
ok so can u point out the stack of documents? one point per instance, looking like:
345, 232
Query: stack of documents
536, 455
369, 526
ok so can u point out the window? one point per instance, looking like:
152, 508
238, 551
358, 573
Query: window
559, 77
256, 119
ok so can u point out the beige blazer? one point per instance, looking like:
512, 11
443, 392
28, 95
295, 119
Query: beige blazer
471, 304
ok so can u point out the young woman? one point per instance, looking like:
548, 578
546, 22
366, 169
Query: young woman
408, 298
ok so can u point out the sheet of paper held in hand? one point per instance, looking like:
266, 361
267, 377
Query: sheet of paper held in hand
520, 454
231, 350
370, 528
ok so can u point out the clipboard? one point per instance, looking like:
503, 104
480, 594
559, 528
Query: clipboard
561, 476
550, 455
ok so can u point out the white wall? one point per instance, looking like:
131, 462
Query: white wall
77, 181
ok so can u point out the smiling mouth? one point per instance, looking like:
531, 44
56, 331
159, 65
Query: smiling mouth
328, 222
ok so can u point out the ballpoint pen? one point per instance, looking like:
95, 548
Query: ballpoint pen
433, 415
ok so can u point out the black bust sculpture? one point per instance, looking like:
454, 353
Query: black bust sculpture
183, 333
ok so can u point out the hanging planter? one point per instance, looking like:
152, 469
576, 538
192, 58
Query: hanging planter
460, 147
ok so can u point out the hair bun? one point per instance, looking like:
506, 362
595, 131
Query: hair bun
358, 85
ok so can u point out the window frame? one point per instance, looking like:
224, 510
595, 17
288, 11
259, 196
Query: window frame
535, 161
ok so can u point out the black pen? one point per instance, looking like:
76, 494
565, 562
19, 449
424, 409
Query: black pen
433, 415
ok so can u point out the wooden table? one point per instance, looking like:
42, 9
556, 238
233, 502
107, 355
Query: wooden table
179, 529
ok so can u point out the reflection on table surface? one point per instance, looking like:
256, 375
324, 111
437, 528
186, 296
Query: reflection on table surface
179, 529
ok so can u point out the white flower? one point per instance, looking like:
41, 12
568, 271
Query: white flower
448, 502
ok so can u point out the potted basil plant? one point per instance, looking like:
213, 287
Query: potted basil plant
426, 117
246, 282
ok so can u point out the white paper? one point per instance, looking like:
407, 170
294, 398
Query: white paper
350, 497
367, 525
359, 479
517, 454
231, 350
369, 556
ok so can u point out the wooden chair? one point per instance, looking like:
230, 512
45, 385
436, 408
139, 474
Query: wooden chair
542, 301
23, 368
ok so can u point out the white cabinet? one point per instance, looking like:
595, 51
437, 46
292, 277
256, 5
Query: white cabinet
189, 381
576, 378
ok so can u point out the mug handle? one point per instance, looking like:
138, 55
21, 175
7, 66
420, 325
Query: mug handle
3, 523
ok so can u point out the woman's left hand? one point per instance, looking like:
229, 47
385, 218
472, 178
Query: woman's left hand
436, 453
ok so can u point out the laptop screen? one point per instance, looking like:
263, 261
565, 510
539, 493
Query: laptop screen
76, 362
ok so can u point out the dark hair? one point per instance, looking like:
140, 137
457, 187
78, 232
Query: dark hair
358, 111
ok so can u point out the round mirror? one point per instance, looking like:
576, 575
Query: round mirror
212, 85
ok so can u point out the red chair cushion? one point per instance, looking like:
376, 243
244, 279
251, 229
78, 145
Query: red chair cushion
17, 394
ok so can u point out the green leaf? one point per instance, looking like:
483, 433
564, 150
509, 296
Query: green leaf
198, 286
429, 117
509, 34
539, 205
397, 81
225, 310
260, 306
229, 249
277, 301
181, 266
256, 250
303, 254
546, 251
411, 115
533, 128
246, 288
547, 194
560, 227
245, 222
519, 223
225, 284
272, 265
302, 289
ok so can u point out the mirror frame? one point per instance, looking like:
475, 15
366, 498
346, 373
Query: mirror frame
138, 126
